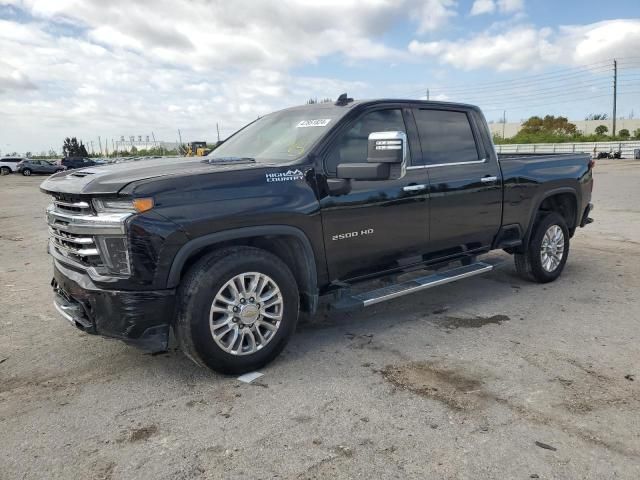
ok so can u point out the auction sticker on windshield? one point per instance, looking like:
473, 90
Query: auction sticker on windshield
319, 122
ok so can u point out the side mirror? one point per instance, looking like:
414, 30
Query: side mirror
387, 147
384, 150
364, 171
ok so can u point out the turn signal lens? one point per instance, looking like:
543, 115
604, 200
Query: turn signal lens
143, 204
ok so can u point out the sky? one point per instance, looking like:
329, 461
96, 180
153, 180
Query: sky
90, 68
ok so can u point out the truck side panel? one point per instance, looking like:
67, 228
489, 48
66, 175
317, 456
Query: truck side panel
243, 199
528, 180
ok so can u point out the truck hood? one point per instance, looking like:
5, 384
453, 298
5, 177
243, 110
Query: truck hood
110, 179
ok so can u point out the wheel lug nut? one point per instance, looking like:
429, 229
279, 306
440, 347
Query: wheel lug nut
242, 300
251, 299
235, 309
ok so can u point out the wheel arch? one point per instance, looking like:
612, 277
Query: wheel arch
562, 200
288, 243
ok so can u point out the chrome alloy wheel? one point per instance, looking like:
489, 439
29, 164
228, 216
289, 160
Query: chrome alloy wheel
246, 313
552, 248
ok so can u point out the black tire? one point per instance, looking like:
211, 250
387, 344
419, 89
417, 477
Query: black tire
196, 294
26, 172
529, 265
5, 171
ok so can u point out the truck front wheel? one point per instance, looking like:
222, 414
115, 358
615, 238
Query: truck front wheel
237, 309
547, 251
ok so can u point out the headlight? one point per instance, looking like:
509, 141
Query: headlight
115, 254
114, 250
108, 205
112, 205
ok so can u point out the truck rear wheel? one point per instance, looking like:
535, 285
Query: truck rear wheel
547, 251
238, 307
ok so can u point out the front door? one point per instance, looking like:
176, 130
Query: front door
465, 183
378, 225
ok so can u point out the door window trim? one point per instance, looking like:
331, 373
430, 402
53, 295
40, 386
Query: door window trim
452, 164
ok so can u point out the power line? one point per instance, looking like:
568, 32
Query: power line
559, 74
549, 82
541, 91
519, 84
545, 93
590, 97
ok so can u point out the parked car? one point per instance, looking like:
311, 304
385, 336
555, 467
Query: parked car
71, 163
303, 203
30, 166
9, 164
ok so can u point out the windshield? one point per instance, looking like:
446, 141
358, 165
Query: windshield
281, 136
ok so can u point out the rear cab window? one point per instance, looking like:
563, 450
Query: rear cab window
446, 136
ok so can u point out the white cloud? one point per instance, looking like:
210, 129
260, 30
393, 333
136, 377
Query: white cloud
11, 79
526, 47
510, 6
433, 14
90, 67
480, 7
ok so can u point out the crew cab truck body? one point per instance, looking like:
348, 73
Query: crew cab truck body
301, 204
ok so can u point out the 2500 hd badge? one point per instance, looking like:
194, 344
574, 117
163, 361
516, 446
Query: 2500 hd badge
361, 233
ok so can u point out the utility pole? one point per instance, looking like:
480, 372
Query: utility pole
218, 129
615, 93
427, 94
180, 137
100, 142
156, 144
504, 121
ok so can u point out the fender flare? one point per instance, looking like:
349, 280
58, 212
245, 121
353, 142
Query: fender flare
534, 211
192, 246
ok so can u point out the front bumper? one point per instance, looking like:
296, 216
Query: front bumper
140, 318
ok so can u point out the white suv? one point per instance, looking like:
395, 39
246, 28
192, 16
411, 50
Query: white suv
9, 164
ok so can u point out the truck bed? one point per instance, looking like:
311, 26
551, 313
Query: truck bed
528, 178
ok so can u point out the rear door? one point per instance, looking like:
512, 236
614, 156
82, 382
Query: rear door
465, 188
376, 225
47, 167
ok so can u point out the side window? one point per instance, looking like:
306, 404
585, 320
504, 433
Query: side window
351, 146
445, 136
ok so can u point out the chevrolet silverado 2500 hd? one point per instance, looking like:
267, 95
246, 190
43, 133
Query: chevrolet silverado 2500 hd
301, 204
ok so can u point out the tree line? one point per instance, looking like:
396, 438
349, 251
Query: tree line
552, 129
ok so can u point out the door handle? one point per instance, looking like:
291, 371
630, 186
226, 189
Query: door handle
414, 188
489, 179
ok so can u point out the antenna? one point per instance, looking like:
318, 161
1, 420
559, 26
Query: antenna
343, 100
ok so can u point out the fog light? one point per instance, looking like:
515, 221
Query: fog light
115, 254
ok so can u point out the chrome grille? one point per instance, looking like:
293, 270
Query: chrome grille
68, 239
79, 207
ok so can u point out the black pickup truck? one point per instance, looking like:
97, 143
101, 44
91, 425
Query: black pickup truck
302, 205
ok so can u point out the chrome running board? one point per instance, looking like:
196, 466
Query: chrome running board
411, 286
